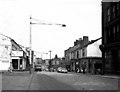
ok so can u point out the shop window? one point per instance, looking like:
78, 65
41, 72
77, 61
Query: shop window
108, 57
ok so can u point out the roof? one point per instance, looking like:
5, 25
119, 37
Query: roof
80, 47
11, 40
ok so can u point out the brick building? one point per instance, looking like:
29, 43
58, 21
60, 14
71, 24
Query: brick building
111, 36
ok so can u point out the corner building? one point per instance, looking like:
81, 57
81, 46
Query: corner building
111, 37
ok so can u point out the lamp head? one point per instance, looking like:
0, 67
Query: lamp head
63, 25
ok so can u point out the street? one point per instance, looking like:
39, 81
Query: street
56, 81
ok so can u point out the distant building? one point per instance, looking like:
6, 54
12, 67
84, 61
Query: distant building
56, 62
111, 36
38, 61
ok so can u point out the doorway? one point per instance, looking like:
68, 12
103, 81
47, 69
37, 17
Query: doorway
114, 61
15, 63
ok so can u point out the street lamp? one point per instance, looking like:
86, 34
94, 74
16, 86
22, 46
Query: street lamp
31, 23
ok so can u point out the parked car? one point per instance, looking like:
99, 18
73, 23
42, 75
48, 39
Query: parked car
47, 70
59, 69
62, 70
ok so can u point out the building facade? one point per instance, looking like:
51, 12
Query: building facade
79, 50
56, 62
111, 37
11, 52
83, 54
5, 52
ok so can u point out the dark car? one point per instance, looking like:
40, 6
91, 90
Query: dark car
38, 67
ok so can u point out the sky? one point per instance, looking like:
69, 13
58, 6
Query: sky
82, 18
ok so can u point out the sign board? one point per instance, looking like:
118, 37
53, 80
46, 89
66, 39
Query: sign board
17, 53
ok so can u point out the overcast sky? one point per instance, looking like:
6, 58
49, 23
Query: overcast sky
82, 17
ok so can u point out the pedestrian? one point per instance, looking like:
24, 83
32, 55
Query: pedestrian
11, 67
84, 67
21, 66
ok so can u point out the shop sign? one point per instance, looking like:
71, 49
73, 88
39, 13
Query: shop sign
17, 53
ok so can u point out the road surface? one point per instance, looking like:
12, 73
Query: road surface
56, 81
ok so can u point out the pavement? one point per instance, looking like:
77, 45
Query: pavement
17, 80
105, 75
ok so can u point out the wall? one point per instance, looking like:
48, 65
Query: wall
5, 50
93, 49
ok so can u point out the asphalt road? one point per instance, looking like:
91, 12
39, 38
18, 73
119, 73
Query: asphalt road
56, 81
41, 81
85, 81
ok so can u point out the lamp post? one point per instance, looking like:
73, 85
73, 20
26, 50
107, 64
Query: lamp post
30, 59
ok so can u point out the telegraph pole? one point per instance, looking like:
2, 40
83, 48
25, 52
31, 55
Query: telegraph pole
50, 60
50, 54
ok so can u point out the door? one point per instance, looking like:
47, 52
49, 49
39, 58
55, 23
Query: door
15, 63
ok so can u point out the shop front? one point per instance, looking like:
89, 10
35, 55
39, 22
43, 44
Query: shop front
19, 60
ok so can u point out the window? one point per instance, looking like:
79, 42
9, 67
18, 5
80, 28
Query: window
105, 37
108, 35
77, 54
53, 62
114, 33
83, 52
108, 15
117, 9
113, 12
118, 33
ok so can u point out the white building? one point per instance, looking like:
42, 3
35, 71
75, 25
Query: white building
10, 51
93, 49
5, 52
